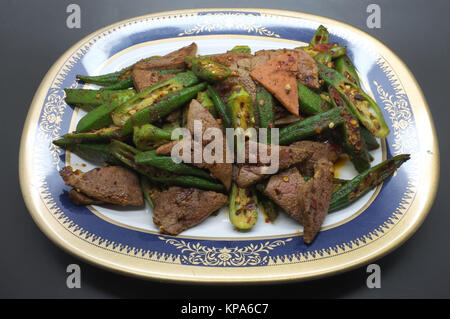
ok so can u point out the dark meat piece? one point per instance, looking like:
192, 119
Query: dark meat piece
221, 169
308, 71
318, 150
198, 112
239, 63
81, 199
306, 202
248, 174
144, 79
178, 209
173, 60
110, 184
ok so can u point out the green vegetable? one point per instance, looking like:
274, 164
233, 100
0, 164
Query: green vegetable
206, 101
151, 96
124, 84
266, 109
370, 140
241, 48
240, 106
209, 70
161, 109
361, 105
126, 153
323, 57
105, 79
311, 126
267, 207
94, 153
112, 78
353, 144
220, 107
310, 102
148, 136
321, 36
166, 163
98, 118
101, 135
361, 184
243, 210
97, 97
147, 189
345, 66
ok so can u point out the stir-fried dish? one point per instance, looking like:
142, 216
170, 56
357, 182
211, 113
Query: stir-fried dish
311, 94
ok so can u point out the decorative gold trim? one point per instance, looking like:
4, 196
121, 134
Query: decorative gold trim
405, 227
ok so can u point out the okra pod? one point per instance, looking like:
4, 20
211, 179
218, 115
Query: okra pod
267, 207
209, 71
240, 107
126, 153
361, 105
98, 118
97, 97
97, 136
353, 144
361, 184
111, 78
93, 153
243, 210
148, 136
345, 66
105, 79
151, 95
220, 107
147, 189
311, 126
166, 163
121, 85
266, 109
370, 140
164, 107
241, 48
206, 101
310, 102
321, 36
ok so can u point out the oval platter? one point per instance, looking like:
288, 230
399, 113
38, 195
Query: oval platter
126, 240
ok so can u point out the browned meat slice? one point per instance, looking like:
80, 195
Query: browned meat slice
279, 76
82, 199
229, 59
173, 60
306, 202
318, 150
198, 112
248, 174
144, 79
315, 199
178, 209
110, 184
284, 188
221, 171
239, 63
308, 70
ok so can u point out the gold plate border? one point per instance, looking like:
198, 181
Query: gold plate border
419, 207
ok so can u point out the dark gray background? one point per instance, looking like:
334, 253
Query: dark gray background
34, 34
